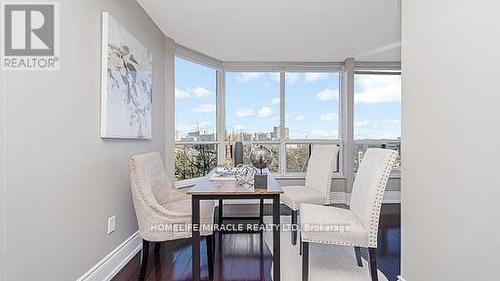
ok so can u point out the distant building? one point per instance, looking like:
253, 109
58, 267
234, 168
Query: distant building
198, 136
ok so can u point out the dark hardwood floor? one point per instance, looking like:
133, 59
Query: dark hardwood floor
242, 257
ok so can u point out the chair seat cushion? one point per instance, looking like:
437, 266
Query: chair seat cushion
184, 206
331, 225
293, 196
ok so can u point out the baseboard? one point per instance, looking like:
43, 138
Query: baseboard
112, 263
390, 197
400, 278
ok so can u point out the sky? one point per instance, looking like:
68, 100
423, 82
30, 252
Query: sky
311, 103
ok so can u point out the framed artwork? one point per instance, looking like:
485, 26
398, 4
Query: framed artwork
126, 84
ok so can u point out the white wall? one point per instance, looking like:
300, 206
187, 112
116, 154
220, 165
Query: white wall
2, 165
62, 180
450, 128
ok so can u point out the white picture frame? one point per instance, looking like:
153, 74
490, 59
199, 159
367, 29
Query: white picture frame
126, 84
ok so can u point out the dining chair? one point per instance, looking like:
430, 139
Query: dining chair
358, 226
164, 212
317, 189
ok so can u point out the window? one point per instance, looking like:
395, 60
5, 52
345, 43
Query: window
252, 106
312, 115
195, 119
253, 112
377, 113
247, 148
312, 105
297, 157
287, 112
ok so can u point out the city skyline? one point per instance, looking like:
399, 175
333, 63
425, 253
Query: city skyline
311, 103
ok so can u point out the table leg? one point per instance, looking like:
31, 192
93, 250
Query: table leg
276, 237
221, 213
195, 220
261, 212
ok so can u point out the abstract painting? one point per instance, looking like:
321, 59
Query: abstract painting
127, 80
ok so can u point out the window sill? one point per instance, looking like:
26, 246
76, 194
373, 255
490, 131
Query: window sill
291, 176
186, 183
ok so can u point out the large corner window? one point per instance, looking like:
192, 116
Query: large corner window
311, 115
253, 112
287, 108
195, 119
377, 113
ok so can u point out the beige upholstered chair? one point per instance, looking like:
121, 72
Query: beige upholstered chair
163, 212
360, 223
317, 189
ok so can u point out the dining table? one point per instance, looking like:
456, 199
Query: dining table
210, 188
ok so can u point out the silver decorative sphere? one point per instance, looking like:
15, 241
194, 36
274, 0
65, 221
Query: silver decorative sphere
261, 157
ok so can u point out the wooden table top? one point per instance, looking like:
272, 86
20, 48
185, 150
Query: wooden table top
206, 186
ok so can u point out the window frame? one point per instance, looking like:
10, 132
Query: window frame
346, 105
377, 69
205, 61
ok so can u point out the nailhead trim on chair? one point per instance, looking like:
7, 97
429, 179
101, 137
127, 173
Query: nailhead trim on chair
334, 243
328, 187
151, 208
375, 211
377, 204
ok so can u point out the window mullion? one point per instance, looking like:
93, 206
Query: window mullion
221, 116
347, 122
282, 164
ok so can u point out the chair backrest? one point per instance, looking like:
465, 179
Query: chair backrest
322, 164
369, 187
149, 178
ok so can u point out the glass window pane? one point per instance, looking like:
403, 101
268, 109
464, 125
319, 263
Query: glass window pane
195, 101
312, 105
297, 157
247, 148
360, 148
252, 106
194, 160
377, 114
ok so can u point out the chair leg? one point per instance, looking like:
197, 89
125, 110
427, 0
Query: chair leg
372, 253
294, 225
305, 261
210, 256
261, 213
300, 245
357, 251
221, 204
157, 248
144, 261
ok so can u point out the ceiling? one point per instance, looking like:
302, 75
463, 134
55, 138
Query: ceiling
283, 30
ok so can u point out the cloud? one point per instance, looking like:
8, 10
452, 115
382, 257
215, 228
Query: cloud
331, 116
299, 118
264, 112
248, 76
313, 77
362, 123
393, 122
181, 94
205, 108
275, 101
378, 89
275, 76
197, 92
244, 112
292, 77
201, 92
327, 94
317, 133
